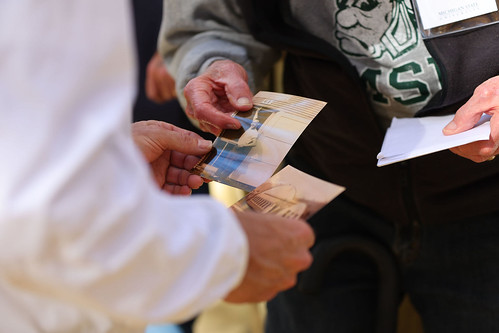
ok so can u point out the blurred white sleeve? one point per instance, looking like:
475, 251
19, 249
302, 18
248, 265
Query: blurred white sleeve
80, 218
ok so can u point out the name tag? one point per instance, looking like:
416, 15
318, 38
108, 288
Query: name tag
441, 17
434, 13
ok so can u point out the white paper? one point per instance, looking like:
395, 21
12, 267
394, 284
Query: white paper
412, 137
436, 13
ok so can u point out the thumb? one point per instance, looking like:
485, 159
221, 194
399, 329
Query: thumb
239, 93
234, 79
462, 121
182, 141
155, 137
240, 96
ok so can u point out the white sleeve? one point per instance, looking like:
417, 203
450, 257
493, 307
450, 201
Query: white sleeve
80, 217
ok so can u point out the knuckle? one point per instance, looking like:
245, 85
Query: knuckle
486, 152
266, 296
306, 233
303, 261
477, 158
307, 260
289, 282
190, 88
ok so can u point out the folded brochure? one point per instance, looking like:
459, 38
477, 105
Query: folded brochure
408, 138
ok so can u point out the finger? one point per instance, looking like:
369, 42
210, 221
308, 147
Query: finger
303, 233
183, 161
300, 262
255, 296
166, 83
159, 168
178, 176
465, 118
184, 142
159, 84
236, 86
166, 174
484, 150
307, 260
494, 128
479, 151
150, 87
308, 234
163, 84
177, 189
163, 136
195, 182
485, 99
210, 128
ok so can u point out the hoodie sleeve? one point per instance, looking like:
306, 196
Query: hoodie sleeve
197, 32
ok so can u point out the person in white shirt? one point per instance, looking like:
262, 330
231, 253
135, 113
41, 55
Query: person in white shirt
90, 242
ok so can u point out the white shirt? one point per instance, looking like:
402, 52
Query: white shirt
85, 234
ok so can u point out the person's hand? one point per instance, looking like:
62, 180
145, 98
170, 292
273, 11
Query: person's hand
214, 95
485, 99
278, 251
159, 85
171, 153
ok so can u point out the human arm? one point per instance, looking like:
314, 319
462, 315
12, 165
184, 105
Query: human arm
194, 34
485, 99
81, 220
278, 247
171, 152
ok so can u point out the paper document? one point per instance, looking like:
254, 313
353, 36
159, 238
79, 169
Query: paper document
290, 193
247, 157
412, 137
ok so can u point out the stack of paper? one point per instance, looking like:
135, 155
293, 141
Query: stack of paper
412, 137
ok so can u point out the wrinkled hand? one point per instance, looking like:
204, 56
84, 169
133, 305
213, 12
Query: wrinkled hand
278, 251
171, 153
485, 99
159, 85
214, 95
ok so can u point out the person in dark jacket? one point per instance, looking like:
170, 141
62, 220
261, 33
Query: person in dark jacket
426, 227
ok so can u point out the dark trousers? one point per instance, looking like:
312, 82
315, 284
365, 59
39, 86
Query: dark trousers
453, 280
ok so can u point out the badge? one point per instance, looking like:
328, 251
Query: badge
439, 17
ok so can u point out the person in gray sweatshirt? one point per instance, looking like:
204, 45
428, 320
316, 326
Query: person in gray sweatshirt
435, 217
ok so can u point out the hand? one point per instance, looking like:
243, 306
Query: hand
278, 251
171, 153
159, 85
485, 99
214, 95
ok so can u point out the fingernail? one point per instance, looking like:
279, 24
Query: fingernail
204, 144
232, 126
452, 126
243, 101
